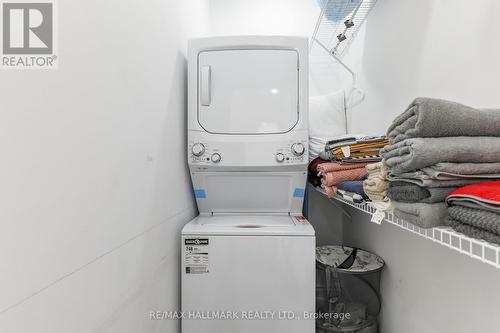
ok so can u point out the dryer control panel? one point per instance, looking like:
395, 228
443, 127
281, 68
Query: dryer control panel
202, 153
291, 153
249, 154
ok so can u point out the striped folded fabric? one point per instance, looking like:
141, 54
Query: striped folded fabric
364, 150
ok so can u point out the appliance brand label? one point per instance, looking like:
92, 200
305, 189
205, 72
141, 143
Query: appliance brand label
196, 255
196, 241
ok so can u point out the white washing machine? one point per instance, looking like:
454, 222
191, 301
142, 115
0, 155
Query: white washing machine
248, 259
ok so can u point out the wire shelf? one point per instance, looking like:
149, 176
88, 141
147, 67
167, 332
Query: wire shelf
339, 23
483, 251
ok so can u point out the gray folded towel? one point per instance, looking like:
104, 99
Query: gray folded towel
429, 117
418, 153
431, 183
421, 214
467, 202
463, 170
472, 231
409, 192
478, 218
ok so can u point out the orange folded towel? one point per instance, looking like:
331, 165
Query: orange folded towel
330, 190
335, 177
336, 166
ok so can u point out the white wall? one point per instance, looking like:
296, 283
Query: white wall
94, 187
262, 17
409, 48
447, 49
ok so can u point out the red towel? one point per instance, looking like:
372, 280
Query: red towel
487, 192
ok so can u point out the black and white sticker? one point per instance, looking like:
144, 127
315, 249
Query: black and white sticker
196, 255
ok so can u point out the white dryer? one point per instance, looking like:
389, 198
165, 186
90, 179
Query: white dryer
250, 252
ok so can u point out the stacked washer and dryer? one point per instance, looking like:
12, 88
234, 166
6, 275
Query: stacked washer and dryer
248, 259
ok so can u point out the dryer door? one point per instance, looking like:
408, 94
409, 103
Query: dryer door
248, 91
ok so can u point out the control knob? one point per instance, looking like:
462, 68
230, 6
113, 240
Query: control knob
280, 157
198, 149
216, 157
298, 149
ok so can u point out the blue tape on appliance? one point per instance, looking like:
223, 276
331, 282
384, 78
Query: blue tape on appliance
200, 194
299, 193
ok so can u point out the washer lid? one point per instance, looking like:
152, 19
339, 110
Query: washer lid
248, 225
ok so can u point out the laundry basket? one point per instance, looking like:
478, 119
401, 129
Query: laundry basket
347, 289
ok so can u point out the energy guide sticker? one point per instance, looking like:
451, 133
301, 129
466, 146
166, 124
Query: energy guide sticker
196, 255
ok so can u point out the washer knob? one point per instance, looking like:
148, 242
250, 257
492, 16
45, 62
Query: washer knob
198, 149
298, 149
280, 157
216, 157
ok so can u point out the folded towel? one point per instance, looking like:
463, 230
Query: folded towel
417, 153
375, 184
353, 186
330, 191
409, 192
313, 165
356, 149
326, 153
377, 168
487, 193
360, 148
450, 174
447, 171
377, 196
337, 166
429, 117
431, 183
478, 218
421, 214
312, 169
333, 178
476, 205
472, 231
383, 205
364, 159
